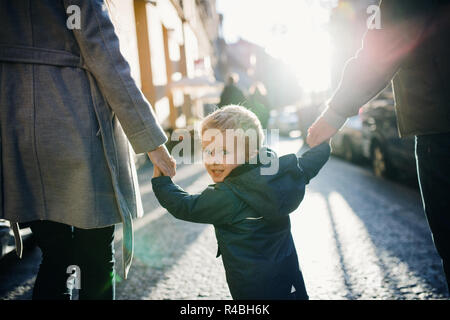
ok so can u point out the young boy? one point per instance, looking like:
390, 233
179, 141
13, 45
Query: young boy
249, 210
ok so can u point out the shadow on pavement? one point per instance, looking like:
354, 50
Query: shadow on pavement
393, 218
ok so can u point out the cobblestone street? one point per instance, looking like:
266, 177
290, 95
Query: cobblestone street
357, 236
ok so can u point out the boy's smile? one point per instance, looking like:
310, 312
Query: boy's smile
216, 172
219, 172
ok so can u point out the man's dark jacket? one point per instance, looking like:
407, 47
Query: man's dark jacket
250, 214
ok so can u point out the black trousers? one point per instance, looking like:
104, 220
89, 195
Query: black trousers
91, 250
433, 168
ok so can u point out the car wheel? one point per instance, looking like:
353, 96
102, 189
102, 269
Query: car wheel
5, 238
380, 163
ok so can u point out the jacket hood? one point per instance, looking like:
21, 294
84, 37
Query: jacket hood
270, 195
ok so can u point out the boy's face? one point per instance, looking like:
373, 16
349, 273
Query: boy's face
219, 165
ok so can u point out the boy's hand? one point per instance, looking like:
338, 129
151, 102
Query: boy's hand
156, 172
161, 158
314, 159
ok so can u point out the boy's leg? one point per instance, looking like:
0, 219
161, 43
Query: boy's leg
95, 256
291, 279
300, 289
55, 241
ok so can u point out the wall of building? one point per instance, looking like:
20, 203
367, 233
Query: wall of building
122, 16
165, 41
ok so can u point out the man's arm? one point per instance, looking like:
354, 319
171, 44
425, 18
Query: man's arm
213, 205
365, 75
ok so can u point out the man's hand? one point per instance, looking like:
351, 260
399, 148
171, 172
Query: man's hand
319, 132
161, 158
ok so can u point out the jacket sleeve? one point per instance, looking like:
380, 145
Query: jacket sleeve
100, 51
313, 160
213, 205
376, 62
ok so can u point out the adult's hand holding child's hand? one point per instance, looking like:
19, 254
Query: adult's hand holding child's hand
162, 160
156, 172
319, 132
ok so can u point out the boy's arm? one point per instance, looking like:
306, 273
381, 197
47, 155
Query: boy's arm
314, 159
213, 206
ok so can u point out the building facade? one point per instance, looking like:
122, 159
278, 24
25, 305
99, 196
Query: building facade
170, 44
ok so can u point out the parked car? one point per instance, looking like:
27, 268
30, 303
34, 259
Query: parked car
348, 142
389, 155
285, 119
7, 243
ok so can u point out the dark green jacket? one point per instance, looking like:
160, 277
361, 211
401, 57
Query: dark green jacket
412, 50
250, 213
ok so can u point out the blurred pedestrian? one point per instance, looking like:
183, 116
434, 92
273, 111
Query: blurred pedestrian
66, 168
408, 47
258, 103
231, 94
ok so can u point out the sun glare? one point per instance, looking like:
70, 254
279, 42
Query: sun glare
291, 30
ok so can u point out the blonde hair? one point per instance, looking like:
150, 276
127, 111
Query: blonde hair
233, 117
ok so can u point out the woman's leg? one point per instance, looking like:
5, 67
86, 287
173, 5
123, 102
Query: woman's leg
54, 240
95, 255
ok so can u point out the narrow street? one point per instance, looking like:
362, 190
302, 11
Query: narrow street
357, 236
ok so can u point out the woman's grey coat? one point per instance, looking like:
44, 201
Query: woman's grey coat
68, 110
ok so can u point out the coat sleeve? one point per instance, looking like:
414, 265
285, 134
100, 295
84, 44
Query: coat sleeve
100, 51
313, 160
383, 50
213, 205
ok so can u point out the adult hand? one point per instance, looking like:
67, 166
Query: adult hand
156, 172
161, 158
319, 132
